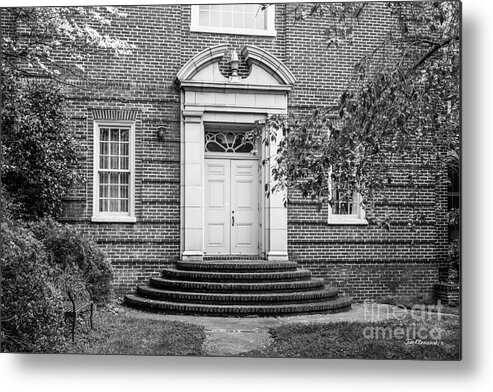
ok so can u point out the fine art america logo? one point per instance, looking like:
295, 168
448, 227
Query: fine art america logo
423, 328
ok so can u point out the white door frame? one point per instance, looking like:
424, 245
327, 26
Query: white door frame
209, 97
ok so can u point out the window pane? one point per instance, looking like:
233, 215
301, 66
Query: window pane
115, 150
103, 205
114, 191
103, 162
124, 205
115, 134
216, 19
124, 178
103, 178
124, 149
113, 178
103, 148
204, 18
228, 19
113, 205
103, 191
124, 163
114, 163
103, 133
124, 191
124, 135
249, 21
260, 21
238, 20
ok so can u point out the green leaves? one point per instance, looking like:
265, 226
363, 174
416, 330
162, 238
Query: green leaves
40, 154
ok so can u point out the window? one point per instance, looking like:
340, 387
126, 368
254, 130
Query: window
229, 142
248, 19
345, 207
114, 150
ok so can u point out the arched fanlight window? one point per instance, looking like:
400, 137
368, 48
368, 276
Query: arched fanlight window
229, 142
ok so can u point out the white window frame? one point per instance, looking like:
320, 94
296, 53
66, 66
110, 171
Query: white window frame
269, 32
116, 217
345, 219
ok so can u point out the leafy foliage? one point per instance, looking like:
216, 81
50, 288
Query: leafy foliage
32, 312
401, 107
40, 154
39, 262
38, 35
78, 257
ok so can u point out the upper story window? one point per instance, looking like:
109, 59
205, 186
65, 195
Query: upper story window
248, 19
114, 172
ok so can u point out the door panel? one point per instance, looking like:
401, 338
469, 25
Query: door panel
231, 207
244, 203
217, 206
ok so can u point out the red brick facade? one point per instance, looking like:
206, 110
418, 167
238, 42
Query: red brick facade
363, 261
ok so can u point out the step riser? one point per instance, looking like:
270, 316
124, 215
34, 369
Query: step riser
203, 276
237, 267
335, 306
257, 288
206, 298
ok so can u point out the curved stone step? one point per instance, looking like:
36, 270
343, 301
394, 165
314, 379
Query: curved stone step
339, 304
235, 298
236, 287
212, 276
236, 266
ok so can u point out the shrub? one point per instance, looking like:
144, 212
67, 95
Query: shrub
78, 256
41, 157
32, 312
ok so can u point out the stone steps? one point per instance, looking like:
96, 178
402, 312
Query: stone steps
339, 304
220, 287
236, 266
235, 298
250, 276
237, 288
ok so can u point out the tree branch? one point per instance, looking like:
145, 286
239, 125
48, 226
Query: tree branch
433, 50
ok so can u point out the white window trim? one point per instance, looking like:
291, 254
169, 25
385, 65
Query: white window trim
269, 32
346, 219
113, 217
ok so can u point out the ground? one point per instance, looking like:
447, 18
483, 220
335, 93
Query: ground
342, 335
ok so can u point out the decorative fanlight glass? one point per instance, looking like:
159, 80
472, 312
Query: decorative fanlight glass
229, 142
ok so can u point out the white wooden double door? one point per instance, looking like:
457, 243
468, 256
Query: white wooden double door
231, 207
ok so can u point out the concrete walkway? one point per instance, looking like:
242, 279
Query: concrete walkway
231, 336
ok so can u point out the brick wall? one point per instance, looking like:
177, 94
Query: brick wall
363, 261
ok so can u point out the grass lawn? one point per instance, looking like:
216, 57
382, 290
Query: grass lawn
122, 333
425, 336
357, 340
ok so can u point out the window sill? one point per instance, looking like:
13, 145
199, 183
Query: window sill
114, 219
230, 30
340, 221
